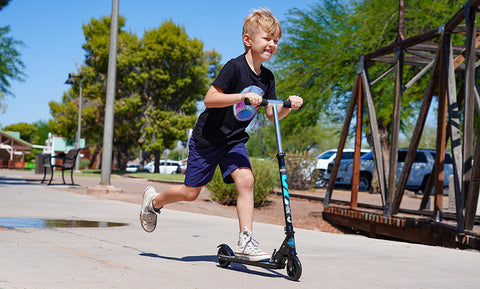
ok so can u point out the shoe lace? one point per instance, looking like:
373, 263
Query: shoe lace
252, 244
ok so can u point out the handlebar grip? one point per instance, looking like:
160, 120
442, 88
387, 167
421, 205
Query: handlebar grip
264, 102
271, 102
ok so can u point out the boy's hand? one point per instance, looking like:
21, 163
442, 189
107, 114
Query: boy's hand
255, 99
296, 101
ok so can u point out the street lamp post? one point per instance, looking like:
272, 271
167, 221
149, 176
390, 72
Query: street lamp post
70, 81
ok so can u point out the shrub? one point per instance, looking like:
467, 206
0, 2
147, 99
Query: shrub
83, 163
300, 171
266, 177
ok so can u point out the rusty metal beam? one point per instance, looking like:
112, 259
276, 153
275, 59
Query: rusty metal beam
472, 197
455, 136
343, 137
422, 54
419, 75
434, 47
424, 37
385, 73
358, 146
470, 44
408, 60
445, 84
453, 23
377, 148
397, 103
421, 57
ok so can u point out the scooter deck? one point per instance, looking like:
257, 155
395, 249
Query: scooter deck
264, 264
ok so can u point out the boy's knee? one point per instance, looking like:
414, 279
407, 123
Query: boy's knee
192, 193
250, 180
246, 180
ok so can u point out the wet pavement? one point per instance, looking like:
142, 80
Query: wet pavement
45, 223
181, 252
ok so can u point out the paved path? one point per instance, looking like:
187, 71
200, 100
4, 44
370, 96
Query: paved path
181, 253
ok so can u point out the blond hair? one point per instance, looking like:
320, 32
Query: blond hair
262, 19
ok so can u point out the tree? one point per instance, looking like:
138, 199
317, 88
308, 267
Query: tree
128, 102
36, 133
173, 78
3, 3
42, 131
11, 65
28, 132
320, 54
159, 79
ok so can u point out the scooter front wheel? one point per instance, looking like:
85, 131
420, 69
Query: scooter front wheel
224, 250
294, 268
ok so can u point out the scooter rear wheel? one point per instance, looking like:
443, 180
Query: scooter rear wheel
294, 268
225, 251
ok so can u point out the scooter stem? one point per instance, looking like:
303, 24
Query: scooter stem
277, 130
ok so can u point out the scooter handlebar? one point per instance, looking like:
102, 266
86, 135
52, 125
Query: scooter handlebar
272, 102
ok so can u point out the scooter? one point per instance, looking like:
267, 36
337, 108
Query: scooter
287, 254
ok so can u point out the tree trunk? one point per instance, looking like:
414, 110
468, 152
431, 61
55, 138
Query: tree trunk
122, 159
385, 147
95, 158
157, 161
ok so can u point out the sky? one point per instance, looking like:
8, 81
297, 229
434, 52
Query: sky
52, 33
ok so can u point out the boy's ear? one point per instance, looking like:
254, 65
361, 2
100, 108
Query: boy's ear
246, 40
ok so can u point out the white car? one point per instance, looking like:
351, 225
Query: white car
327, 157
324, 158
417, 180
168, 167
133, 168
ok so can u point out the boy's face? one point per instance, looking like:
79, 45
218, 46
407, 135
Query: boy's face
262, 45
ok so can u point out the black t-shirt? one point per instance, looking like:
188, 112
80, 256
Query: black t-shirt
226, 125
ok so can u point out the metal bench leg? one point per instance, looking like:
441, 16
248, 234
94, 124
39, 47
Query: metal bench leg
71, 176
51, 178
44, 173
63, 177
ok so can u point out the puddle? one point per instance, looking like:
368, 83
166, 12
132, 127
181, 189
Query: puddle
45, 223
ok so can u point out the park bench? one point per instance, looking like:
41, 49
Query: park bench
67, 163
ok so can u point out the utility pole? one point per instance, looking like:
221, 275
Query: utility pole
110, 99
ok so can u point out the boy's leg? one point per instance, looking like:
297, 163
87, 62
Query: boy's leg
243, 179
202, 162
176, 193
246, 247
154, 201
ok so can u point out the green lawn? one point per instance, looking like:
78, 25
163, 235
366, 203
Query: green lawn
150, 176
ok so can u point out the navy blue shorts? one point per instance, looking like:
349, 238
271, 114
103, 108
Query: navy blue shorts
202, 162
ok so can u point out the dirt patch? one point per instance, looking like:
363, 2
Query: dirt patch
306, 214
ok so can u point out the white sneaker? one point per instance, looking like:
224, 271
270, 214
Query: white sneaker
148, 217
247, 248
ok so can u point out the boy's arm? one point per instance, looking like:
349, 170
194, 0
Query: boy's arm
296, 102
215, 98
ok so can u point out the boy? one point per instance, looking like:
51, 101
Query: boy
219, 136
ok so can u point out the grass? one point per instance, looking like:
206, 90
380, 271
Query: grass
150, 176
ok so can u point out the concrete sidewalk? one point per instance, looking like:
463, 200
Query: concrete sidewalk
181, 253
